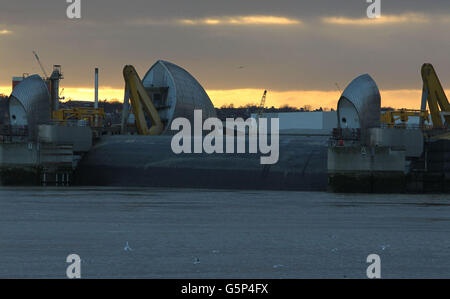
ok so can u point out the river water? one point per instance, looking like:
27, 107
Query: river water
185, 233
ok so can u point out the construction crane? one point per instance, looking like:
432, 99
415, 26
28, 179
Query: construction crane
140, 103
261, 105
40, 64
434, 95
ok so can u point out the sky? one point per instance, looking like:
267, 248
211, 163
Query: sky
302, 52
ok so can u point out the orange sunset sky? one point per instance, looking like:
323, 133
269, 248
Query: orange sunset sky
240, 97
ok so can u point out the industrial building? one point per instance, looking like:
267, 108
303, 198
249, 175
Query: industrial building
372, 152
356, 148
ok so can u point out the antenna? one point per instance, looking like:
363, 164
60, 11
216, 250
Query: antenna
337, 85
40, 64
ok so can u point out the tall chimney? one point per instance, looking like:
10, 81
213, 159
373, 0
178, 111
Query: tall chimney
55, 77
96, 88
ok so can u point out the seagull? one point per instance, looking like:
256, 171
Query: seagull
196, 261
277, 266
127, 247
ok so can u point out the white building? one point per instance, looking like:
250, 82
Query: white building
305, 123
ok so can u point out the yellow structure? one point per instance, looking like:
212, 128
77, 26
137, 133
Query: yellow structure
140, 103
390, 117
434, 95
91, 115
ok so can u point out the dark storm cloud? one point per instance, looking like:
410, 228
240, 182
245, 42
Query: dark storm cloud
311, 55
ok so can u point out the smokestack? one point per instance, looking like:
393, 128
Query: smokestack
54, 86
96, 88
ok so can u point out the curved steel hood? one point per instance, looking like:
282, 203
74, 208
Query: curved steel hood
360, 104
32, 98
184, 93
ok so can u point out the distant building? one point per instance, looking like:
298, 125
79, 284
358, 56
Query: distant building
305, 123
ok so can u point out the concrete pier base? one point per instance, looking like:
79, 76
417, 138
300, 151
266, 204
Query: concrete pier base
19, 176
34, 164
367, 182
357, 168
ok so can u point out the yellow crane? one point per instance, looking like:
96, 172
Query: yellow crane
434, 95
140, 103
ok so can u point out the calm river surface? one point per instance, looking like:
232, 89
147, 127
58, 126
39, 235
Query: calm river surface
185, 233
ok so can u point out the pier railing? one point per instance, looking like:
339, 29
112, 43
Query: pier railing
68, 123
8, 132
405, 126
346, 134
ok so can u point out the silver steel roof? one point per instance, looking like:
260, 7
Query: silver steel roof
34, 96
184, 95
364, 94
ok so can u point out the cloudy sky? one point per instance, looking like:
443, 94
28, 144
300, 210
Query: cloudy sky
301, 51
